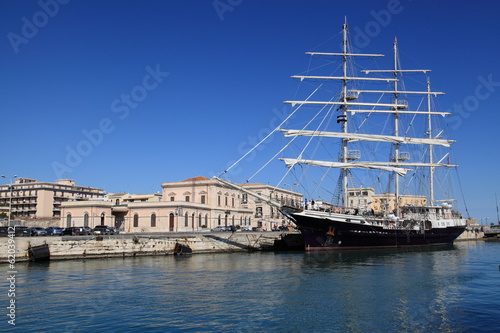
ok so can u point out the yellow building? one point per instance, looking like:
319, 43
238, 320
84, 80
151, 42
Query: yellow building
365, 199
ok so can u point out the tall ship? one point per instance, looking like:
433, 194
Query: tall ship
377, 131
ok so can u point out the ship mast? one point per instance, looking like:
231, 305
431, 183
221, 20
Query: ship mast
431, 157
396, 125
343, 118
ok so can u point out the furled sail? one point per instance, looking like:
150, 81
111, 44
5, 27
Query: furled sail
368, 137
292, 161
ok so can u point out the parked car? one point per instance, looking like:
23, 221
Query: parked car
219, 228
105, 230
21, 230
245, 229
54, 231
74, 231
37, 231
4, 231
88, 231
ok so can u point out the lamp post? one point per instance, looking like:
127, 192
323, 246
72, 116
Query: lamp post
10, 197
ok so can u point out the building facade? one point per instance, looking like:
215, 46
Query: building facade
365, 200
29, 200
189, 205
268, 217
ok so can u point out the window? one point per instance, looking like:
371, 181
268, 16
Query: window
244, 198
187, 198
172, 198
68, 220
232, 202
203, 199
153, 220
218, 200
186, 220
136, 220
225, 201
86, 220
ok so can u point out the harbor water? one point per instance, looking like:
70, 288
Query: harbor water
449, 289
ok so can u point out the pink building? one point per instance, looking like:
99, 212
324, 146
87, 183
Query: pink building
190, 205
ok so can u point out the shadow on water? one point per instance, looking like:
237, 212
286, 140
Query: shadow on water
368, 256
37, 264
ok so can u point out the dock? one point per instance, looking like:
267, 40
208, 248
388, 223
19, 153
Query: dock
148, 244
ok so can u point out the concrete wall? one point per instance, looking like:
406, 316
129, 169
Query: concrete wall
77, 247
471, 235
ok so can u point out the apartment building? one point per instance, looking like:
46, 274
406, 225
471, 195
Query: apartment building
31, 200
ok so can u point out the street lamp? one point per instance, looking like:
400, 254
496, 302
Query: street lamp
10, 197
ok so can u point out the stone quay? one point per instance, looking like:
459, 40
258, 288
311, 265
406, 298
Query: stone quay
144, 244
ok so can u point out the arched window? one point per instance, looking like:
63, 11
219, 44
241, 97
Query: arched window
136, 220
206, 220
153, 220
186, 222
68, 220
171, 222
199, 221
192, 221
218, 220
86, 220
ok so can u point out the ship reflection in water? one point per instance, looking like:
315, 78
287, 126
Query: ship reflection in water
447, 289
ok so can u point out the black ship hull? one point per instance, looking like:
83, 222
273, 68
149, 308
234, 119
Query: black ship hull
333, 234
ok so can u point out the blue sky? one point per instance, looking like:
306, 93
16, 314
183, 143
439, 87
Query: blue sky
123, 95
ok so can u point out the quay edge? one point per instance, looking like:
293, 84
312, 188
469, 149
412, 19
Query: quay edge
131, 245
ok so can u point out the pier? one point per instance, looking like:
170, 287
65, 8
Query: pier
144, 244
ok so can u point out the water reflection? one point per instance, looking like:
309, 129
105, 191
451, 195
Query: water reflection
417, 290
